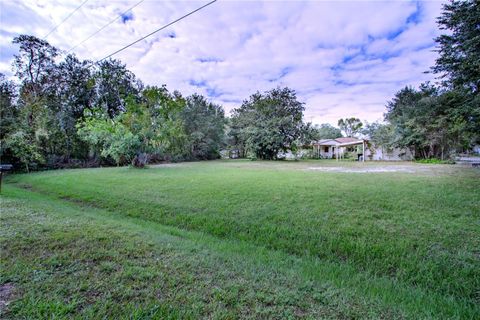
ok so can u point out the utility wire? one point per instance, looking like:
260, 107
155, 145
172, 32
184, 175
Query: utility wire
66, 18
106, 25
159, 29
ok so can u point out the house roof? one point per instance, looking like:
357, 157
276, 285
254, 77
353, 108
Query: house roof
326, 142
338, 141
347, 140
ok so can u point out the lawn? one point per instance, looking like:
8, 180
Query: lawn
243, 239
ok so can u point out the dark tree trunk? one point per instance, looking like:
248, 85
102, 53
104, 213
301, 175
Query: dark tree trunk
140, 160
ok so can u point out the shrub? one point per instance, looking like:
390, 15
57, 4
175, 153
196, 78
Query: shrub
434, 161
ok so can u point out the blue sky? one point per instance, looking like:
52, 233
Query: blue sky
344, 58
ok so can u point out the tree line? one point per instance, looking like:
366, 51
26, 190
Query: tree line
65, 112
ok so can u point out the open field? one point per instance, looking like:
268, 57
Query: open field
243, 239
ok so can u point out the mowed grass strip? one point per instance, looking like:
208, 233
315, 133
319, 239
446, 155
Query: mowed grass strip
419, 229
70, 262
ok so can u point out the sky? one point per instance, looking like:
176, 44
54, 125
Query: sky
343, 58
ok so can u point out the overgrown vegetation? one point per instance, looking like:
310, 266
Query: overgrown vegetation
435, 161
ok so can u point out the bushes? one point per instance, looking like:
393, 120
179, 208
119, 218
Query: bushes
434, 161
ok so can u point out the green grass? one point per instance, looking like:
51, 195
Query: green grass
258, 239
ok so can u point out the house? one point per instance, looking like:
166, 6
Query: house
337, 148
476, 149
360, 149
384, 154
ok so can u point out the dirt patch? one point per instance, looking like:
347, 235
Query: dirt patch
168, 165
364, 170
79, 202
6, 295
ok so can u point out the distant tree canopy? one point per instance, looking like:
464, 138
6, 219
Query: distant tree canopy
269, 123
350, 126
380, 134
326, 131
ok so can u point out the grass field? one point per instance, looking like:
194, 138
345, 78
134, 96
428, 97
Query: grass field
243, 239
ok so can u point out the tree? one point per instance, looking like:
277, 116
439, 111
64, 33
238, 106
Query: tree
75, 94
8, 116
35, 63
111, 137
269, 123
8, 108
35, 67
205, 126
22, 148
149, 125
381, 135
327, 131
433, 122
37, 105
459, 65
166, 130
351, 126
459, 50
65, 112
114, 83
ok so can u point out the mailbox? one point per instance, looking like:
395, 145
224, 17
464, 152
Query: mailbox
4, 168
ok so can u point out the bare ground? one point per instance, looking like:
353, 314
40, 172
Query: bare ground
6, 295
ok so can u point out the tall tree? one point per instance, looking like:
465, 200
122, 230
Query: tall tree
35, 63
327, 131
35, 68
205, 126
8, 116
459, 50
8, 107
114, 83
75, 92
350, 126
269, 123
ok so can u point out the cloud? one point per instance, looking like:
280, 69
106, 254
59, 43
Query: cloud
345, 58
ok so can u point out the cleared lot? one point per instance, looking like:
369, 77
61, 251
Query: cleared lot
384, 242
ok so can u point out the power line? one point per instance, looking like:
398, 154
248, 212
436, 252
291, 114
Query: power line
66, 18
106, 25
159, 29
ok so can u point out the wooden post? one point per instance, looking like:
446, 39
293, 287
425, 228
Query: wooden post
363, 145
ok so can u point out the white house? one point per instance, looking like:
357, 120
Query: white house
336, 148
363, 149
